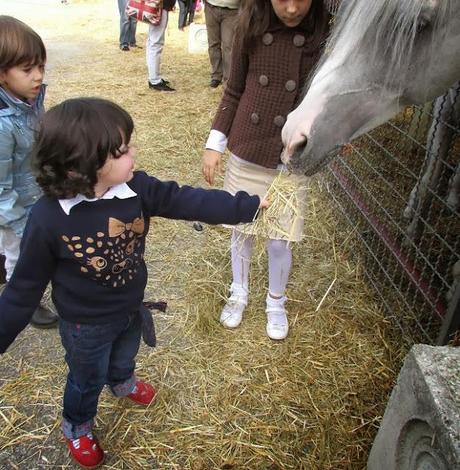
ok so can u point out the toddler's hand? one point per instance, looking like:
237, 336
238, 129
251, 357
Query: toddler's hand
264, 203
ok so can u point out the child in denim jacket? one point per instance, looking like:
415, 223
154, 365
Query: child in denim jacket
22, 63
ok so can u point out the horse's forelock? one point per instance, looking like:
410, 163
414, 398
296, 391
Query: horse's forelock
392, 24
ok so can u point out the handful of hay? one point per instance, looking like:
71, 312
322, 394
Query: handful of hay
287, 200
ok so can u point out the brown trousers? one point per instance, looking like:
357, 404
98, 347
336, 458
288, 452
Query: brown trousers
220, 25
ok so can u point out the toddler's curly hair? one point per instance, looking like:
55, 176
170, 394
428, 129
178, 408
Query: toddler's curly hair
73, 143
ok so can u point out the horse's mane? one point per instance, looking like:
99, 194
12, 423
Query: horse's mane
392, 25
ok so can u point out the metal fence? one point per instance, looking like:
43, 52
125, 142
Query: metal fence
399, 188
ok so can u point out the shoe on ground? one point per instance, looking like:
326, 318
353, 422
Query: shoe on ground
44, 318
124, 47
135, 46
86, 451
163, 85
143, 393
232, 313
277, 322
214, 83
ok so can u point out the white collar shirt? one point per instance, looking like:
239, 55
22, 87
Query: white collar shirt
120, 191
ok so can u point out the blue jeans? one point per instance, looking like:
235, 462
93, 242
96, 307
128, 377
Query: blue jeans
127, 26
186, 12
96, 355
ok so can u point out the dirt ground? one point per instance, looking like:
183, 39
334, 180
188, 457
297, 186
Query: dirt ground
84, 59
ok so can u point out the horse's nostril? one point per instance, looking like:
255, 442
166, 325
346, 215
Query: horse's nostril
299, 149
302, 144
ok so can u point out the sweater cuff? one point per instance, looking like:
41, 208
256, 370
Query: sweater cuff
216, 141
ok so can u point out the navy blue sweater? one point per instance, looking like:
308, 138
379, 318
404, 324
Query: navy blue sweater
94, 257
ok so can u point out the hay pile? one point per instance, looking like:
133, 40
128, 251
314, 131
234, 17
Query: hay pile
226, 399
286, 203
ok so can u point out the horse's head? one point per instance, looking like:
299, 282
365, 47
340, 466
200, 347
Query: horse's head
382, 56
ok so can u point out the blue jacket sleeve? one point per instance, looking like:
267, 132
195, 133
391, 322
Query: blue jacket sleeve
212, 206
10, 209
25, 289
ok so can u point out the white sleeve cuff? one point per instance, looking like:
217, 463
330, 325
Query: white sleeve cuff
216, 141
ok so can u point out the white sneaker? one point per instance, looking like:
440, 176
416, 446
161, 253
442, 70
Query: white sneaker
232, 313
277, 322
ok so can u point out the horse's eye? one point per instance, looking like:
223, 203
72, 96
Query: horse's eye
425, 18
422, 24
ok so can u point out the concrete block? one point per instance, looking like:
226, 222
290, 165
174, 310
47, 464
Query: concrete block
420, 429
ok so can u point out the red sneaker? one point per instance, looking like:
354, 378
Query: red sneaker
143, 393
86, 451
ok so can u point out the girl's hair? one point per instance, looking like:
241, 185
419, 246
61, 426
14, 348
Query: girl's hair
75, 139
19, 44
255, 15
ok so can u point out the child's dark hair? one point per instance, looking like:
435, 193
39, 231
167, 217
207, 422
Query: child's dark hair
19, 44
254, 17
73, 143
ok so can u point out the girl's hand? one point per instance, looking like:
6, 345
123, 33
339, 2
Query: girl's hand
264, 203
212, 164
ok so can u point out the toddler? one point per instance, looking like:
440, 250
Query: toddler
87, 236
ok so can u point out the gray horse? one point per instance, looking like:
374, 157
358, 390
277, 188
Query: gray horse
382, 56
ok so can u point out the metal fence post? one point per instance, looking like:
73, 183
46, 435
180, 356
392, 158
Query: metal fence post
451, 322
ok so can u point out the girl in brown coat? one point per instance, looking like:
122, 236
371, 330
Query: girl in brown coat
277, 44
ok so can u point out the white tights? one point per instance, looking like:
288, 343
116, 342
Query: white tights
279, 264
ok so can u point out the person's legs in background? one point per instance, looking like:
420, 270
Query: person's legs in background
182, 14
125, 26
191, 11
132, 32
154, 48
213, 20
227, 29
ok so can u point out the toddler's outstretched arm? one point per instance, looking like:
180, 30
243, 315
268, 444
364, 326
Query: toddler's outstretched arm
25, 289
212, 206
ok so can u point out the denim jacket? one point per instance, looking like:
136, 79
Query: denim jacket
18, 188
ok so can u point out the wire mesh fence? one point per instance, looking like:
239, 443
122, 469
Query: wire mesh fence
399, 187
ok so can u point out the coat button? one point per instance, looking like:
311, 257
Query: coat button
263, 80
298, 40
290, 85
279, 121
267, 39
254, 118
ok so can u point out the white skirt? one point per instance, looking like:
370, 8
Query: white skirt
255, 179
